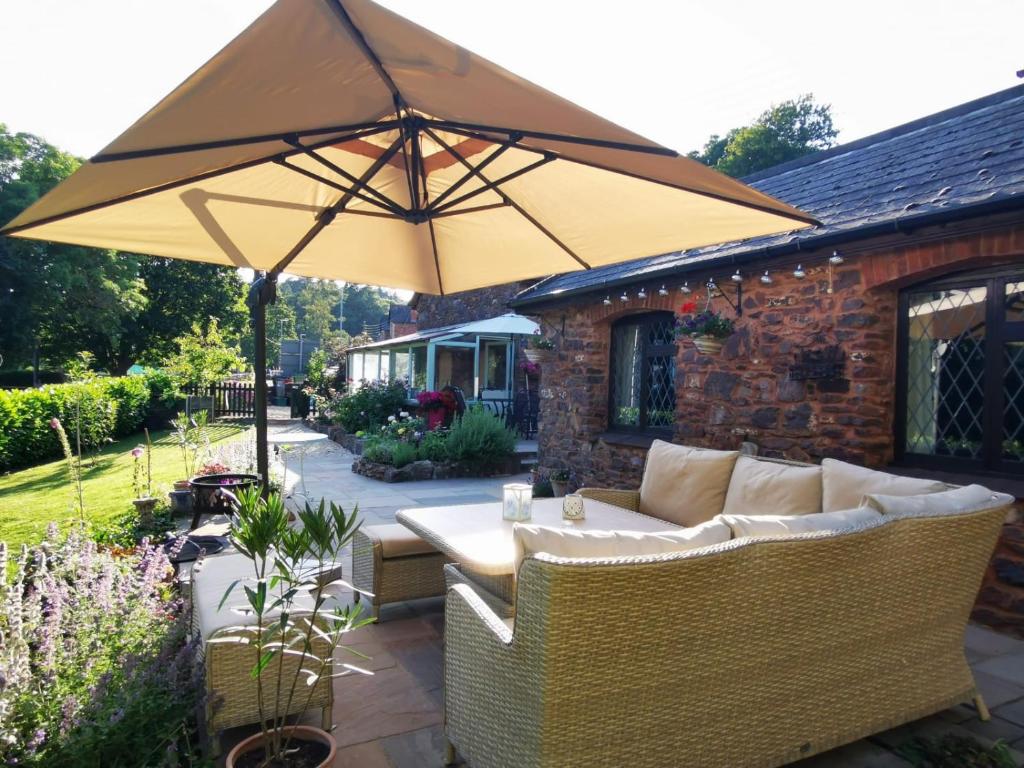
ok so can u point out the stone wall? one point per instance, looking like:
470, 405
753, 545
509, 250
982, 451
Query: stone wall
465, 306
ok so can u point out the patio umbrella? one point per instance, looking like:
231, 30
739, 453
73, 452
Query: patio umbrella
336, 139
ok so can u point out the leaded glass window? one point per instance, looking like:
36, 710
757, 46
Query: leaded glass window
642, 393
961, 389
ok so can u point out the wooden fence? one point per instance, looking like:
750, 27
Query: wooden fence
226, 399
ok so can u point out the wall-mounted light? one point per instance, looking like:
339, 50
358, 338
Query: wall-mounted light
835, 259
642, 294
663, 291
766, 279
737, 277
607, 301
623, 297
685, 287
799, 273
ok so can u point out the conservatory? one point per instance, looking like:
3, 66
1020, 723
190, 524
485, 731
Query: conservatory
478, 357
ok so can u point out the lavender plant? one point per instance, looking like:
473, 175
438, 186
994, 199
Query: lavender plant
95, 668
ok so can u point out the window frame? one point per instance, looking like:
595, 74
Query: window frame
645, 320
998, 332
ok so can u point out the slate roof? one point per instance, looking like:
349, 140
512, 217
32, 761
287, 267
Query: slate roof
965, 161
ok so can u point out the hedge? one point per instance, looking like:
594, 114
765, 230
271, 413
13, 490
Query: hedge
109, 408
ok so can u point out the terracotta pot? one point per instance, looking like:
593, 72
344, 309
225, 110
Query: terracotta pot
539, 355
182, 485
559, 487
707, 345
303, 732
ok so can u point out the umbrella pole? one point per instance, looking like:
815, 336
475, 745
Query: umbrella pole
262, 292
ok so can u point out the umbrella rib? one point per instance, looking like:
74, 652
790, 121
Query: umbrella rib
349, 177
109, 157
437, 258
326, 216
364, 46
505, 196
655, 149
496, 183
469, 174
205, 176
641, 177
475, 209
355, 193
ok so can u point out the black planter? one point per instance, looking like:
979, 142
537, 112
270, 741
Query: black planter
207, 500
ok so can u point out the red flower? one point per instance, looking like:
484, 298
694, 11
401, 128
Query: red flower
688, 308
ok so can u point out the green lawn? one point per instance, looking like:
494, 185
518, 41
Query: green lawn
31, 498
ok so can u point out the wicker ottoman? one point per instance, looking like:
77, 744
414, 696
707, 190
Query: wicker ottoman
392, 563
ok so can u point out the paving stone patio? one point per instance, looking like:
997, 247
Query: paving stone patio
392, 719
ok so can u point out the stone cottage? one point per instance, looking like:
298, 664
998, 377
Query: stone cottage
891, 335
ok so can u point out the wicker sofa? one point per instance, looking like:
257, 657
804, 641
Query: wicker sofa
752, 652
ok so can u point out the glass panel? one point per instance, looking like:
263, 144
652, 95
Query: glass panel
1013, 402
661, 373
945, 372
1014, 302
626, 374
385, 365
455, 367
356, 374
495, 366
371, 366
419, 367
400, 362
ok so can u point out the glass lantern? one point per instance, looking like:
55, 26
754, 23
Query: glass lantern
517, 500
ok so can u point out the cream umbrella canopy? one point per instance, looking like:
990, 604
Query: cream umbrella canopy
336, 139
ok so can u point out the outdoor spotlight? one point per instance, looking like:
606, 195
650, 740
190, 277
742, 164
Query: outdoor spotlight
685, 287
642, 294
623, 297
835, 259
737, 277
607, 301
799, 273
766, 278
663, 291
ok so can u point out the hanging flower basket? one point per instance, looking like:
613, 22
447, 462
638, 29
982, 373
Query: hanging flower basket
707, 345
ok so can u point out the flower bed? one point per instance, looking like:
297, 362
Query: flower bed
94, 663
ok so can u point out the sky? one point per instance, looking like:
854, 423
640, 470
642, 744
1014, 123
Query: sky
78, 73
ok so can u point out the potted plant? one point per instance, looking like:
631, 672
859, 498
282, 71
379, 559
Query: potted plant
559, 481
295, 627
706, 329
530, 368
191, 436
540, 349
144, 501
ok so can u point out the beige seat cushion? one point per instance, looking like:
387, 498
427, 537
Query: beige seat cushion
763, 487
685, 485
398, 541
581, 543
845, 485
787, 525
970, 498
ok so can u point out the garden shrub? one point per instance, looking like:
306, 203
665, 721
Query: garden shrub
369, 406
103, 408
402, 454
94, 659
378, 451
479, 439
434, 446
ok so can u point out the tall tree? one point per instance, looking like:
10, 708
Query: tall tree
59, 299
783, 132
365, 304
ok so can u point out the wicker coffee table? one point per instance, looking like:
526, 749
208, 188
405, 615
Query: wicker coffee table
477, 538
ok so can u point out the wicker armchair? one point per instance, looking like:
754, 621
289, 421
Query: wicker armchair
756, 652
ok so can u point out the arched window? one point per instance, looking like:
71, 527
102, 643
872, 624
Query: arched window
642, 390
960, 393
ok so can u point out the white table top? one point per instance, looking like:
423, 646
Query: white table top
475, 535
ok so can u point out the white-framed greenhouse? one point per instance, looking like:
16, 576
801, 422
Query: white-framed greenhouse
479, 357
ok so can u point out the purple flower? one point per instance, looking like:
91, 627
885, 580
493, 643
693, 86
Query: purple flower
137, 451
54, 423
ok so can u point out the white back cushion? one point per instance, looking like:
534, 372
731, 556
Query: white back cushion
685, 485
569, 541
845, 485
787, 525
767, 488
970, 498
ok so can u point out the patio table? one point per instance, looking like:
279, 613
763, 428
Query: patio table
477, 537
